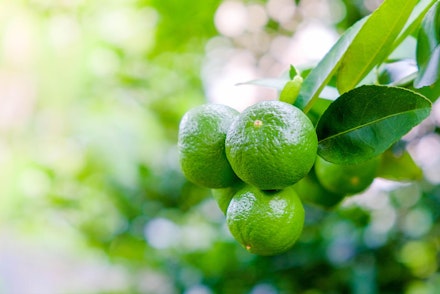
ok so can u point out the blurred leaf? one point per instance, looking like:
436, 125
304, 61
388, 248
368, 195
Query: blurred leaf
215, 261
398, 167
182, 23
420, 257
374, 42
414, 20
315, 82
397, 73
428, 49
359, 216
191, 195
429, 72
128, 247
293, 72
366, 121
276, 83
431, 92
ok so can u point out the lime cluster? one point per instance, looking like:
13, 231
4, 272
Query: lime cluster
251, 160
261, 164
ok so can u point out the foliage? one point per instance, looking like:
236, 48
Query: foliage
366, 121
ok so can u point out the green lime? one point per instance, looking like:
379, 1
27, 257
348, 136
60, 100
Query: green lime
224, 196
265, 222
346, 179
311, 191
271, 145
201, 145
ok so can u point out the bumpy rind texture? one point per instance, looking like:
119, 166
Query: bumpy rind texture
265, 222
201, 145
271, 145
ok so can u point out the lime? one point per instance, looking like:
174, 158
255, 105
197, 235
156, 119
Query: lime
223, 196
311, 191
201, 145
265, 222
271, 145
346, 179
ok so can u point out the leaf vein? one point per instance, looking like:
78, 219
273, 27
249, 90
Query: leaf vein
369, 124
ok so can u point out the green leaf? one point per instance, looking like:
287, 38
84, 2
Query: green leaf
374, 42
398, 166
317, 79
293, 72
429, 71
318, 109
415, 19
366, 121
428, 49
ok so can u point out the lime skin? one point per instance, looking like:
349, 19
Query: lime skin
201, 145
265, 222
271, 145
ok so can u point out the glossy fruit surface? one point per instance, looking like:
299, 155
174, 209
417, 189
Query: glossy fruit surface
201, 145
271, 145
265, 222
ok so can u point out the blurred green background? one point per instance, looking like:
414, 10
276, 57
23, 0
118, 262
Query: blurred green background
92, 199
